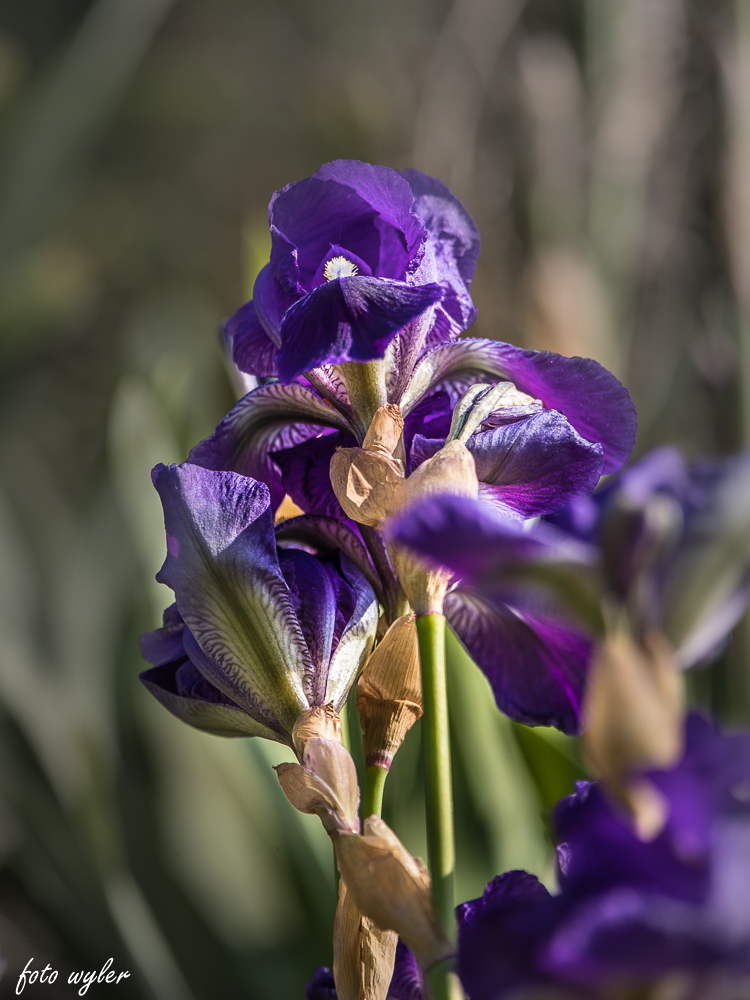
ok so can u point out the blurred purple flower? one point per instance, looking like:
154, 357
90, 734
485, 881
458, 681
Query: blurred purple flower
533, 653
675, 545
630, 914
257, 635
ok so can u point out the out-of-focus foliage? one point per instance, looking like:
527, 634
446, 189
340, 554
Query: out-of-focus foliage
603, 147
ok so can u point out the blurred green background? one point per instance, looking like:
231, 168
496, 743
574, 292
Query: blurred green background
603, 147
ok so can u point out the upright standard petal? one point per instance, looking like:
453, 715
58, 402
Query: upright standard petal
451, 250
223, 568
593, 400
348, 319
268, 419
253, 351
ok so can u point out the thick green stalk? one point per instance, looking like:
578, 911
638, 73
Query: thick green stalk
441, 850
374, 785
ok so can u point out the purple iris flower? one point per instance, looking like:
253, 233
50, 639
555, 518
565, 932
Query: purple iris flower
534, 653
631, 915
257, 635
407, 983
357, 253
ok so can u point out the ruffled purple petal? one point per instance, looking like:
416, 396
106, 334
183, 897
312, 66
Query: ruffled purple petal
510, 887
223, 568
164, 644
253, 351
353, 204
269, 418
451, 250
305, 474
596, 404
348, 319
536, 664
529, 467
536, 466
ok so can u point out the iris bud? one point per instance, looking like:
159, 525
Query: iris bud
389, 693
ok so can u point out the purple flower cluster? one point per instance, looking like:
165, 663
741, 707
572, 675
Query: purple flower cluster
360, 312
630, 915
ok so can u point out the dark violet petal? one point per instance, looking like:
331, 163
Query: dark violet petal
362, 267
364, 208
223, 568
536, 664
451, 249
478, 544
431, 418
499, 948
269, 418
535, 466
321, 986
323, 534
253, 351
408, 982
509, 887
357, 614
594, 401
165, 644
272, 300
305, 473
348, 319
213, 714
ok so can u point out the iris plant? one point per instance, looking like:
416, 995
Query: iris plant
416, 455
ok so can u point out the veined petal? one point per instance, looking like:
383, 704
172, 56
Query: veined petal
269, 418
348, 319
536, 665
593, 400
326, 533
536, 466
223, 568
218, 716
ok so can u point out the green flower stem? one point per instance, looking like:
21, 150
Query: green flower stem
374, 785
441, 850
